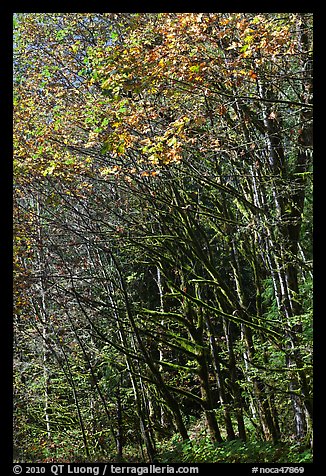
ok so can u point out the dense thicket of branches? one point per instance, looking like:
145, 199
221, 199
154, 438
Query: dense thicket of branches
163, 230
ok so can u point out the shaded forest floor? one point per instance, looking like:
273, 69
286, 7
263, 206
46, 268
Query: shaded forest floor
203, 451
199, 449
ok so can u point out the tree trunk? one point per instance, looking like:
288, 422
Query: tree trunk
42, 268
220, 384
119, 437
207, 399
289, 208
233, 383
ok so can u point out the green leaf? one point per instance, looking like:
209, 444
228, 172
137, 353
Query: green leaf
70, 161
195, 68
172, 141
